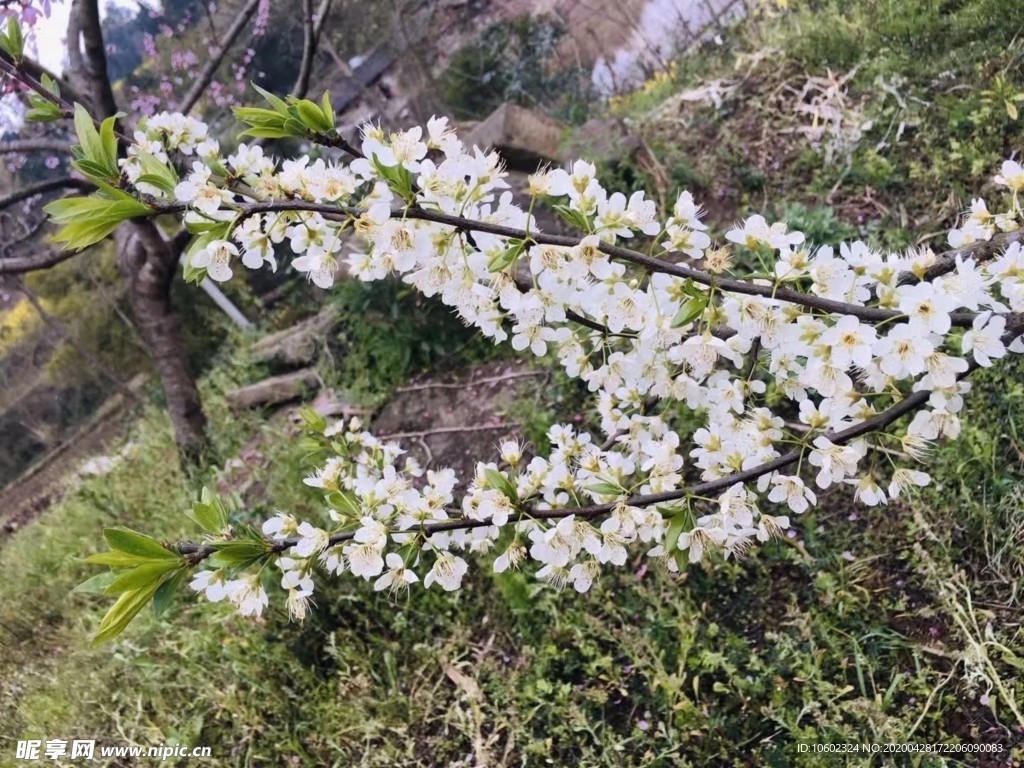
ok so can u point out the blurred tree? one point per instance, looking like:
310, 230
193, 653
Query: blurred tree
188, 56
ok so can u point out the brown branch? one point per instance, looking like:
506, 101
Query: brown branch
98, 80
217, 56
733, 285
29, 229
308, 51
19, 72
37, 70
321, 20
24, 146
198, 552
20, 264
32, 190
983, 250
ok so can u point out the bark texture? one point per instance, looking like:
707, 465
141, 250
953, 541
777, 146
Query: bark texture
148, 262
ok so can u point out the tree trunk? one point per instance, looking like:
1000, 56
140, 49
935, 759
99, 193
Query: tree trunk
149, 264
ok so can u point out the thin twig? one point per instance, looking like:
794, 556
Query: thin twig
467, 384
733, 285
21, 264
445, 431
217, 56
20, 146
198, 552
44, 186
308, 51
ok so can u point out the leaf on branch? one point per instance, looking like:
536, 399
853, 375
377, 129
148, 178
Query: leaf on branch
96, 152
209, 514
345, 502
681, 522
312, 419
498, 481
142, 575
506, 258
12, 41
605, 488
690, 310
311, 116
87, 220
117, 559
160, 175
167, 590
96, 585
238, 554
123, 611
133, 543
573, 217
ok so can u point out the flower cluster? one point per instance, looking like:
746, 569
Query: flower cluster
788, 356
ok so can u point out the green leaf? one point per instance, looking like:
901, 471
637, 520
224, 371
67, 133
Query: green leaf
237, 554
498, 481
167, 590
96, 585
209, 513
312, 419
194, 275
1011, 109
328, 109
606, 489
690, 289
158, 174
259, 116
681, 522
506, 258
274, 101
682, 559
50, 84
117, 559
134, 543
266, 133
43, 111
310, 115
88, 136
252, 534
397, 177
108, 144
573, 217
345, 502
294, 126
205, 517
13, 41
92, 169
142, 576
122, 612
87, 220
690, 310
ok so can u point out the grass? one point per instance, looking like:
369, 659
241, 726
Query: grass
795, 644
921, 88
900, 624
850, 633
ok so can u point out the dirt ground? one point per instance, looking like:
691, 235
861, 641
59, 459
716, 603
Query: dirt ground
454, 420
